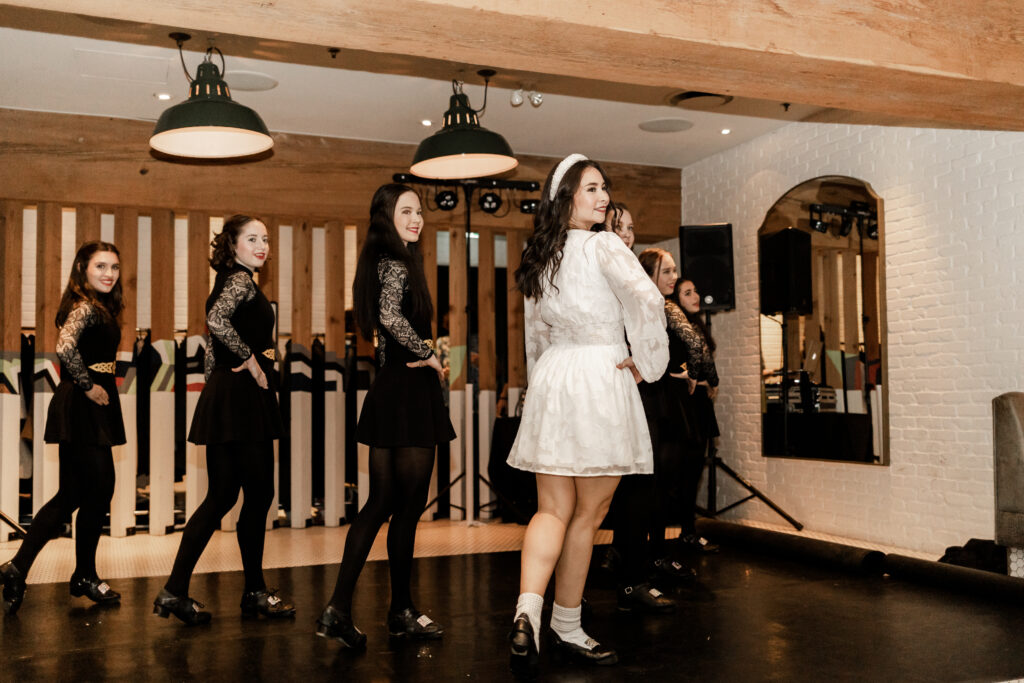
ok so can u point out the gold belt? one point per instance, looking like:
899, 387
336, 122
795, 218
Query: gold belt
269, 353
105, 368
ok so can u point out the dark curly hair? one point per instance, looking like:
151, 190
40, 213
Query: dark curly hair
382, 240
543, 253
107, 305
694, 318
223, 257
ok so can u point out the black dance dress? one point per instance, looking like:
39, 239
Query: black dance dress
87, 348
232, 407
404, 406
693, 350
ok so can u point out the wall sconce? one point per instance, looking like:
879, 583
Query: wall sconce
463, 148
209, 124
446, 200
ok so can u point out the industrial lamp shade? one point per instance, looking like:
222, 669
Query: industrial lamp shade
209, 124
462, 148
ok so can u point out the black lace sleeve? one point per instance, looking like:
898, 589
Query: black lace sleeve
393, 276
238, 288
208, 361
701, 365
81, 316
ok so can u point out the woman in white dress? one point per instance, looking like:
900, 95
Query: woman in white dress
583, 424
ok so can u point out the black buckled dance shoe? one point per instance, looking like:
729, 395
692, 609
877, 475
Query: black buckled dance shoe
265, 602
411, 623
674, 570
644, 597
13, 583
186, 608
95, 589
596, 654
696, 544
522, 648
338, 625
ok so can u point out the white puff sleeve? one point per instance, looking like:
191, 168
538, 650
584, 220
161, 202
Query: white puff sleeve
643, 306
538, 334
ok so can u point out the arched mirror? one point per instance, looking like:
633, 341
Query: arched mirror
822, 298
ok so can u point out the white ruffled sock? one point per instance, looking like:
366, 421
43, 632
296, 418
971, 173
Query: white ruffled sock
565, 622
531, 605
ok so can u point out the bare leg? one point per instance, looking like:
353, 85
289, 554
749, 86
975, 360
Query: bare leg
542, 545
593, 496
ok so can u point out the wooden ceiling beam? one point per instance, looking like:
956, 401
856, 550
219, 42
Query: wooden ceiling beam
935, 61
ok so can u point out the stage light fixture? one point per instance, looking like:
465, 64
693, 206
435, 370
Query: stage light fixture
536, 99
529, 205
846, 225
816, 217
516, 99
871, 231
490, 202
446, 200
209, 124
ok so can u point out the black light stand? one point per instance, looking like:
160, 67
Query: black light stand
468, 185
714, 463
18, 529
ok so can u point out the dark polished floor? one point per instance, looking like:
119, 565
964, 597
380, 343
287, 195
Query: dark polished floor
749, 619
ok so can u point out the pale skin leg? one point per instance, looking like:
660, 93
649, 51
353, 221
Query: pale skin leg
560, 537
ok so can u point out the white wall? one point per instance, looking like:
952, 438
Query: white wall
954, 240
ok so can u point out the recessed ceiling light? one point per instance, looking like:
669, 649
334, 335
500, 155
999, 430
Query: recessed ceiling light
250, 81
726, 131
162, 96
669, 125
426, 122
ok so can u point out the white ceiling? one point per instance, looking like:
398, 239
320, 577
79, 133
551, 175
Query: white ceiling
68, 74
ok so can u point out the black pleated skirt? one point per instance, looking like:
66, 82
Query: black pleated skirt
232, 407
73, 417
404, 407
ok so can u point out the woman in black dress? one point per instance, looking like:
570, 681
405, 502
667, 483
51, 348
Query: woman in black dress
84, 418
237, 419
403, 419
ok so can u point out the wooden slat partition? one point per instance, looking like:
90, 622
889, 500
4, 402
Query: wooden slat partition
301, 373
516, 338
487, 353
851, 315
428, 250
126, 456
458, 356
196, 343
869, 276
334, 357
831, 312
45, 467
87, 224
11, 227
161, 405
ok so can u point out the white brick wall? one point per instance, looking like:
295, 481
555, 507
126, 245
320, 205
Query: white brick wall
954, 239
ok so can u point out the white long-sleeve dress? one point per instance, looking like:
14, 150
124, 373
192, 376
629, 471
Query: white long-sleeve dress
583, 416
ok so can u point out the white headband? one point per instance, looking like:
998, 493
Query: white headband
560, 170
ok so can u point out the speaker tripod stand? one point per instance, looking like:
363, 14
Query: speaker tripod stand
714, 464
9, 521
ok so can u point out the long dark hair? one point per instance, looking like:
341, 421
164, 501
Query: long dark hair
615, 212
651, 258
108, 305
693, 318
223, 256
382, 240
543, 254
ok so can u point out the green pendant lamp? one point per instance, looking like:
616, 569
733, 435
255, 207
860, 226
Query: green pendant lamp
209, 124
463, 148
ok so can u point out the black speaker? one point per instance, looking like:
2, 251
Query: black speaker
785, 263
706, 254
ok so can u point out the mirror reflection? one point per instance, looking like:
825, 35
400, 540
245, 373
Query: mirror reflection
823, 393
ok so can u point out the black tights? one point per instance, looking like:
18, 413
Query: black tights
230, 466
678, 469
86, 485
399, 481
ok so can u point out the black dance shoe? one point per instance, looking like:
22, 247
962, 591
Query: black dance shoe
13, 587
596, 655
96, 590
522, 648
411, 623
338, 625
696, 544
644, 597
265, 602
674, 570
185, 609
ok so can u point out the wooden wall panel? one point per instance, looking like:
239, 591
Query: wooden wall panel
96, 160
364, 347
126, 237
48, 284
334, 286
851, 315
302, 282
831, 311
487, 357
457, 300
87, 224
516, 340
198, 270
162, 270
11, 228
270, 272
428, 250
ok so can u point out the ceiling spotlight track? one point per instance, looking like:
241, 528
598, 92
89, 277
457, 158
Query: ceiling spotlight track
857, 213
